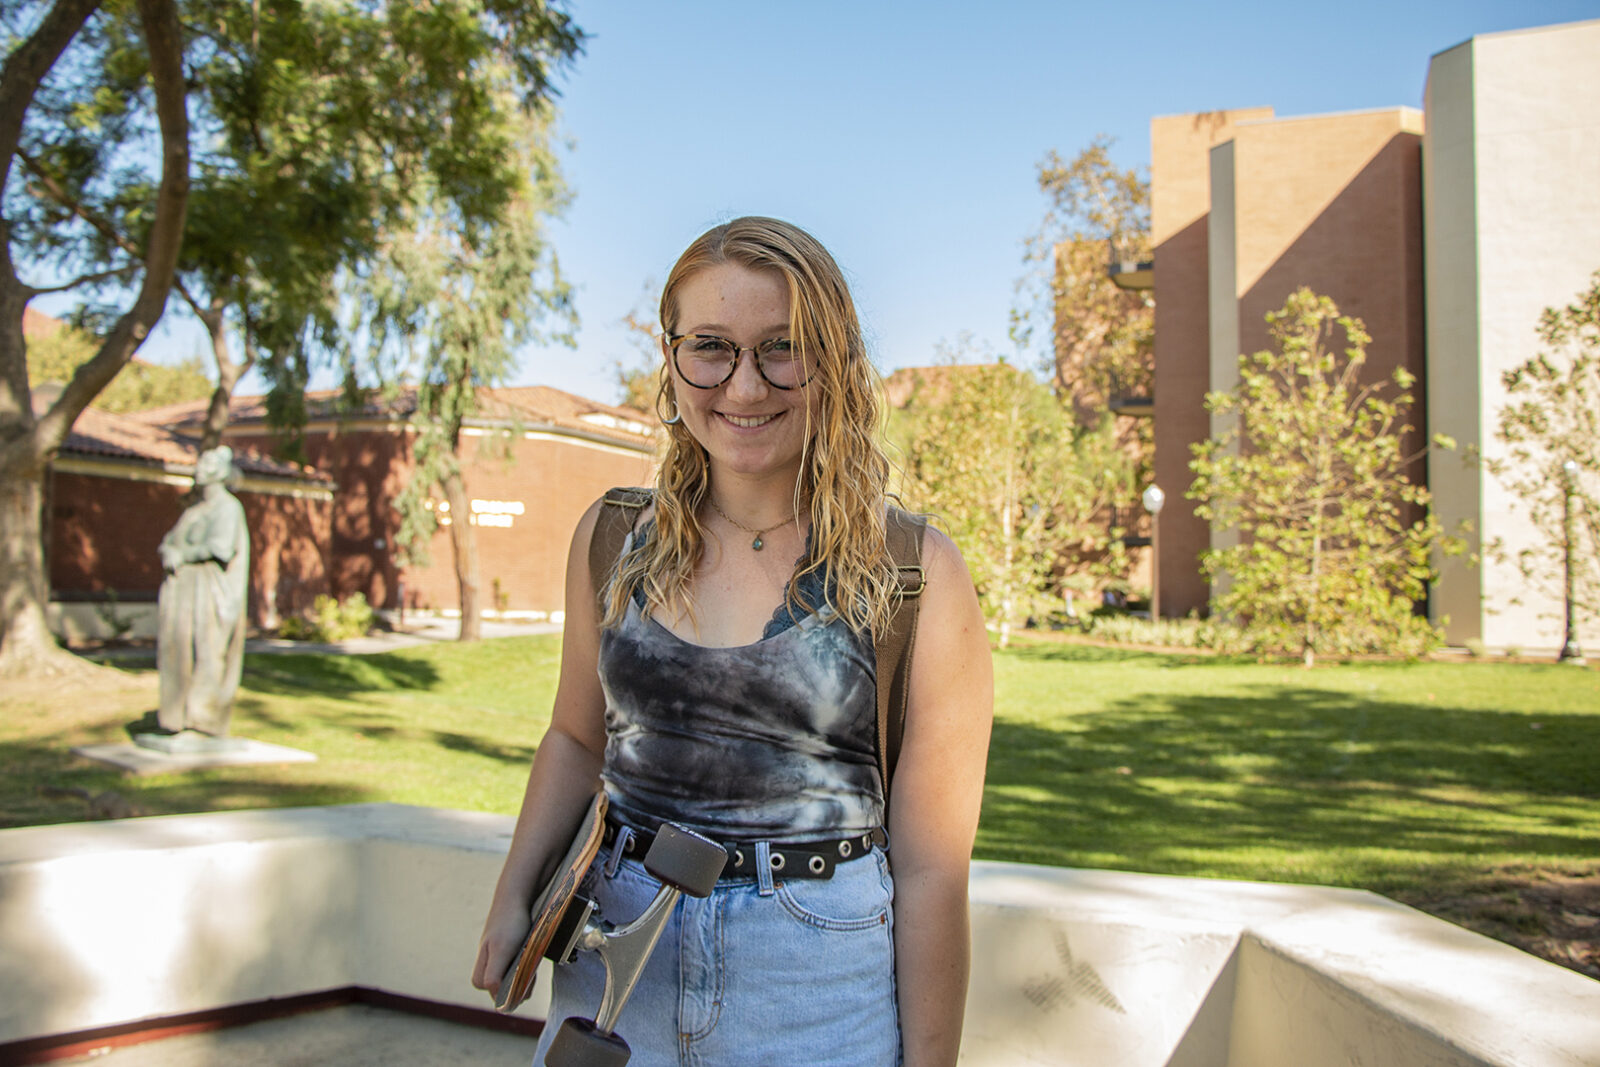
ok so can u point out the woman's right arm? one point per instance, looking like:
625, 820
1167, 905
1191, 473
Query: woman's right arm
566, 771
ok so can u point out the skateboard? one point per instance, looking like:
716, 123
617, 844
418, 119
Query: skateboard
565, 923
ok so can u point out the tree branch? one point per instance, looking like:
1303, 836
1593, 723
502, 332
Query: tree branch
163, 39
103, 226
85, 279
26, 67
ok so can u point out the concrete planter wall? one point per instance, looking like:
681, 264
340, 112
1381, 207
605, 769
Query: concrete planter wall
103, 924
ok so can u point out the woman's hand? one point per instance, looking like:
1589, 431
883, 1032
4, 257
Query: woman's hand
503, 934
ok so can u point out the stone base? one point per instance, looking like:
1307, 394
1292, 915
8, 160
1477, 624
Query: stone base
189, 751
190, 742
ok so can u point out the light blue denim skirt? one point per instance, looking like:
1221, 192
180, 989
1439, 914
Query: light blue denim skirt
758, 973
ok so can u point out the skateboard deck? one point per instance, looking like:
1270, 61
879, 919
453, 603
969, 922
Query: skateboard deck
551, 903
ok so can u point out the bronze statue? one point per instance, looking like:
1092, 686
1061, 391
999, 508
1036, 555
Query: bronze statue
200, 651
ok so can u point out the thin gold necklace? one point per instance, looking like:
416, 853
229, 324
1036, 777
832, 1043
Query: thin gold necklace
758, 544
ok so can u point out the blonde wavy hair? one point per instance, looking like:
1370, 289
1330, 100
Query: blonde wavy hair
844, 471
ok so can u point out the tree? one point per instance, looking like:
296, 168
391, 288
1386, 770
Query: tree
1552, 418
66, 39
453, 300
995, 456
315, 124
1101, 336
1313, 479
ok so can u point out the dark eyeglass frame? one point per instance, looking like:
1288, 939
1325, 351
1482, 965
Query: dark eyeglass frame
673, 341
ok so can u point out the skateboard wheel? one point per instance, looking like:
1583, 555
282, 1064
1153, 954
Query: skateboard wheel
579, 1044
685, 860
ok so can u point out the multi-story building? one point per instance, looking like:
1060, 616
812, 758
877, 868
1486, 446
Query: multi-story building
1446, 231
533, 459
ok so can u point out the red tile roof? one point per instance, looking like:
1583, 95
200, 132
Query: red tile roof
529, 403
103, 434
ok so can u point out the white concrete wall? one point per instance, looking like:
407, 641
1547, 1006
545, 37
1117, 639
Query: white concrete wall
1450, 284
109, 923
78, 621
1511, 172
1222, 268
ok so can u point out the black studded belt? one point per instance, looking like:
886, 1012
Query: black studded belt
804, 859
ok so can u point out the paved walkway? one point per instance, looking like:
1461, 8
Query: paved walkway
419, 630
356, 1035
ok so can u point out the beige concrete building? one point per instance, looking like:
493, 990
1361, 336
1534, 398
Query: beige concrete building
1446, 231
1511, 187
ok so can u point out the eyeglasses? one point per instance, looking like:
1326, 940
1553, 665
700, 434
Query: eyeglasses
706, 361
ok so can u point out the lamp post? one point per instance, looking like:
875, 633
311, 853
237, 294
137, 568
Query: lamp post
1153, 498
1570, 652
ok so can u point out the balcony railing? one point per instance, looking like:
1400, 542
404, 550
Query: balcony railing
1131, 268
1139, 405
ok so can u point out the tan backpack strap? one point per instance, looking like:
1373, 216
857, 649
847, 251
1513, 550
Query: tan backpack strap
892, 649
619, 510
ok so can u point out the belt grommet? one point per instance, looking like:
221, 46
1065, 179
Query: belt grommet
845, 848
738, 858
817, 864
777, 861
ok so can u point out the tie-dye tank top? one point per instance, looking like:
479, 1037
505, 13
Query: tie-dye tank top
773, 741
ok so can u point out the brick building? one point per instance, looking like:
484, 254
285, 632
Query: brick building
118, 485
534, 459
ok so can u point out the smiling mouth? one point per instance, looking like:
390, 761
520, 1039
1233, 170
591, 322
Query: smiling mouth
749, 422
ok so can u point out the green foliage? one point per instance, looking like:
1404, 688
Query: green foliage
315, 123
1312, 478
996, 458
54, 356
450, 304
1551, 418
330, 620
1125, 629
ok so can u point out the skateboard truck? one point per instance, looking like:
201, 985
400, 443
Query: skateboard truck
684, 862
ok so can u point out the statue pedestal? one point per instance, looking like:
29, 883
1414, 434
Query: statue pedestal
189, 751
190, 743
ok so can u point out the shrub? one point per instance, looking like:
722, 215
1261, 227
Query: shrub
330, 620
1411, 640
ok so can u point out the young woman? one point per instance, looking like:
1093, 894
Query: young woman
726, 683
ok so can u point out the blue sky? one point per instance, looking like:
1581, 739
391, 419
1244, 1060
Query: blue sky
905, 135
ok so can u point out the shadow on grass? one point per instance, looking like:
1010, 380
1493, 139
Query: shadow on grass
1174, 783
518, 755
294, 673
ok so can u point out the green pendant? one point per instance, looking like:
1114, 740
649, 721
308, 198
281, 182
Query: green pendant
756, 544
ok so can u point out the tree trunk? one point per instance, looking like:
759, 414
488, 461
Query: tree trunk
464, 543
228, 374
28, 648
28, 444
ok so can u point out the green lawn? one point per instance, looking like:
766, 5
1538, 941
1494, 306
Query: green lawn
1387, 776
1418, 780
